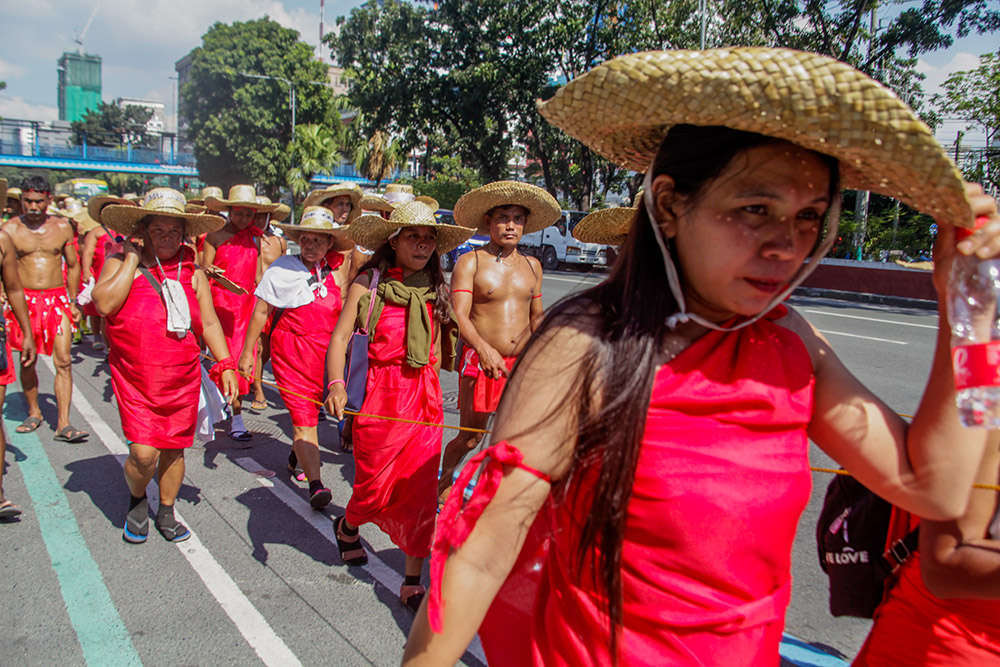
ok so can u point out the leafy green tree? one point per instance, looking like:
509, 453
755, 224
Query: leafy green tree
241, 126
447, 181
974, 96
378, 157
314, 151
119, 183
114, 126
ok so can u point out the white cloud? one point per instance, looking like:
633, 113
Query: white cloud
17, 108
10, 70
936, 76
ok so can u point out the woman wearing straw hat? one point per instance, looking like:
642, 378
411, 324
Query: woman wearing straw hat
235, 250
411, 337
157, 305
11, 283
665, 414
343, 200
301, 296
272, 246
95, 247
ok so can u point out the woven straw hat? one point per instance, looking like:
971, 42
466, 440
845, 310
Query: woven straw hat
318, 197
316, 219
124, 218
207, 191
623, 108
371, 230
14, 193
280, 212
75, 210
96, 204
543, 209
608, 226
242, 196
394, 195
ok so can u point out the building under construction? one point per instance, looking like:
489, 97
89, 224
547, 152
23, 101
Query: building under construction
79, 85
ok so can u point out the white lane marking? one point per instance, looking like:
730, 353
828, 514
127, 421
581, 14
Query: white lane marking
580, 280
871, 319
255, 629
323, 524
871, 338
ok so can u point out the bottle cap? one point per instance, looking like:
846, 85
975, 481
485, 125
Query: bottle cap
962, 233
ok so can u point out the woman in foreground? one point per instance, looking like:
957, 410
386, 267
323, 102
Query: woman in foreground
653, 438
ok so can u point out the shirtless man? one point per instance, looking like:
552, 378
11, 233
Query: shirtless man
496, 293
272, 247
41, 244
235, 249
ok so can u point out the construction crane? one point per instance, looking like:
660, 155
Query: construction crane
78, 36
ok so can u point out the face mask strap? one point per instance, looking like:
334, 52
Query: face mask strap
673, 279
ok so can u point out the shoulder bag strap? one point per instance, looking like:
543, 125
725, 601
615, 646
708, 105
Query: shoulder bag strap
371, 299
152, 281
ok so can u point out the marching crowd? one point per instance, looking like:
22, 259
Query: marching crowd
639, 429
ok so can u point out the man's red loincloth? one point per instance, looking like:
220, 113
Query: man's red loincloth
45, 309
486, 396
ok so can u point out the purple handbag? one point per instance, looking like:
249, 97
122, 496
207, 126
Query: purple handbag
356, 372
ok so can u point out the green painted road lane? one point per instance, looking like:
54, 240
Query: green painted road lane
103, 637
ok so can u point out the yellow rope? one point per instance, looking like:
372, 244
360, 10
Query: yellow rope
832, 471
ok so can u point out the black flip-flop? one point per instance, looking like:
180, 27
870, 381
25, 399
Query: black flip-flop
29, 425
70, 434
9, 510
241, 436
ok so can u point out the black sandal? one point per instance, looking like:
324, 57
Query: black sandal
351, 551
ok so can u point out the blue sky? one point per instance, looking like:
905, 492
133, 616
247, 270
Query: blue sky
139, 41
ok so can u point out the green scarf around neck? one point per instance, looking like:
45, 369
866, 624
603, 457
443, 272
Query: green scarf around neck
412, 293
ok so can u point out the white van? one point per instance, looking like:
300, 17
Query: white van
555, 245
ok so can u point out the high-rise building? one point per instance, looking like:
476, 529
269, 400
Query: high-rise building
79, 85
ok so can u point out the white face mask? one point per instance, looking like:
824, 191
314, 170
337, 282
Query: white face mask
174, 298
673, 278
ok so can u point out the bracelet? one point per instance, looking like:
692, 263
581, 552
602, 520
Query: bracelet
333, 382
220, 367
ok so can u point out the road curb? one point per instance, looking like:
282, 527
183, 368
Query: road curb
861, 297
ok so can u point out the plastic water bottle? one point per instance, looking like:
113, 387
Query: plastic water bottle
974, 297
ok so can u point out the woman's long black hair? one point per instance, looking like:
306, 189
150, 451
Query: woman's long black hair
442, 302
629, 311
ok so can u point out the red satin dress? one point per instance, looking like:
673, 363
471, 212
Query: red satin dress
155, 374
104, 241
722, 478
395, 463
238, 256
299, 342
915, 627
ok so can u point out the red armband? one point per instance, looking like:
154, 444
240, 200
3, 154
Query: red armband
220, 367
537, 296
461, 290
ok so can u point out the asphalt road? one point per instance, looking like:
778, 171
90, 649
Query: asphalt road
261, 580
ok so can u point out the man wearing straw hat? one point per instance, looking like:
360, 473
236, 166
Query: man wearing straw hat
43, 243
12, 204
497, 293
15, 297
234, 251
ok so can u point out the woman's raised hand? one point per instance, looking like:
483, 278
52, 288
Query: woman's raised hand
984, 241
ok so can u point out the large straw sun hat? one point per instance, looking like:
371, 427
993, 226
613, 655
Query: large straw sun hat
14, 193
608, 226
543, 209
76, 211
124, 218
240, 196
623, 108
207, 191
280, 212
371, 230
394, 195
315, 219
97, 204
319, 197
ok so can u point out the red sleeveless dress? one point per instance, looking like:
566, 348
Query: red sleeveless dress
722, 478
155, 375
299, 342
238, 256
395, 463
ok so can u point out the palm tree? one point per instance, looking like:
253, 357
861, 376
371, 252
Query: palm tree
378, 157
314, 151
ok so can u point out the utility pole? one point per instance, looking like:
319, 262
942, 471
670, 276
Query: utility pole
703, 10
861, 205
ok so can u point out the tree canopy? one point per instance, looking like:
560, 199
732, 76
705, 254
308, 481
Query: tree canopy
240, 126
114, 126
